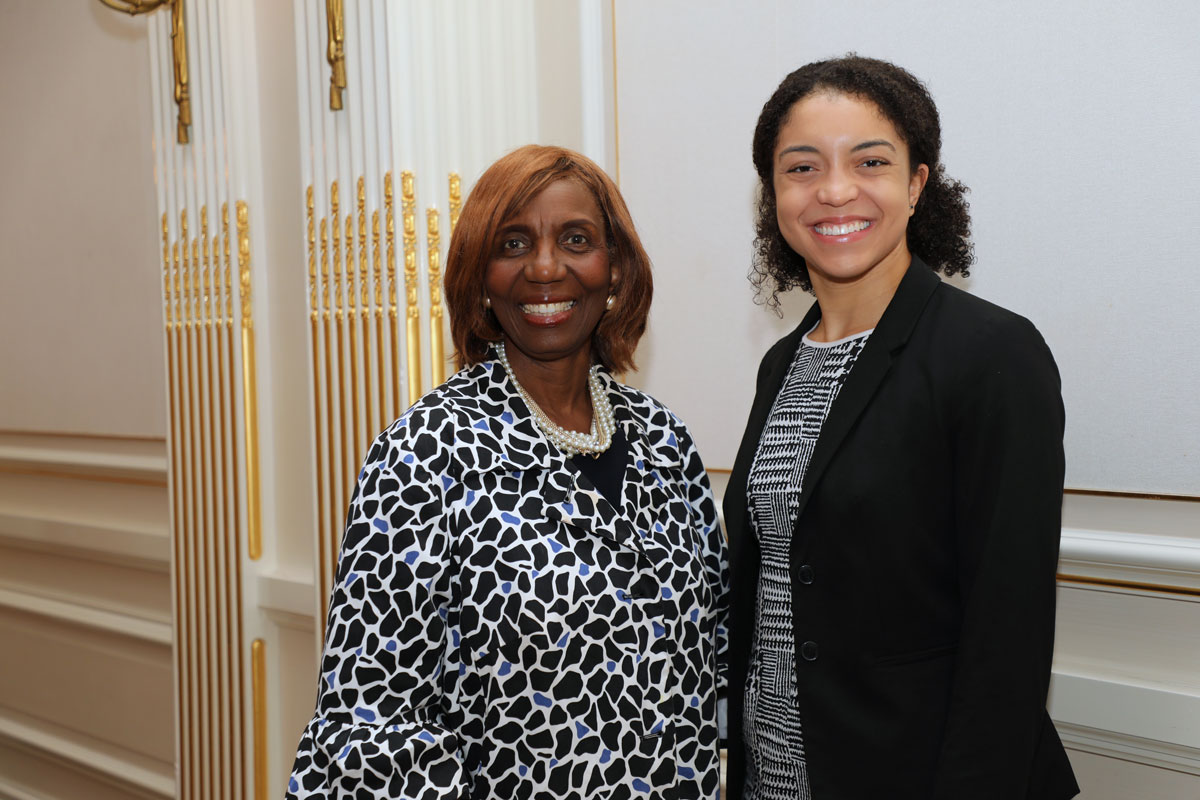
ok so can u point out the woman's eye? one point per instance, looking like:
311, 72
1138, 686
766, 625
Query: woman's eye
801, 168
875, 162
511, 244
576, 239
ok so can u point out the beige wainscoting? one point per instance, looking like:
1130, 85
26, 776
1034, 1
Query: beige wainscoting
86, 706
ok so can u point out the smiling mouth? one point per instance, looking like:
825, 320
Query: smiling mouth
826, 229
546, 309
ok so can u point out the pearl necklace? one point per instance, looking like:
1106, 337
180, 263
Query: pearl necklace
573, 443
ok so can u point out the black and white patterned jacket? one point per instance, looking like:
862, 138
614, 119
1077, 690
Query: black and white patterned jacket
498, 630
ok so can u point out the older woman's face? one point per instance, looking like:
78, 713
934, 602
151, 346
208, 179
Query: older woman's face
844, 188
549, 273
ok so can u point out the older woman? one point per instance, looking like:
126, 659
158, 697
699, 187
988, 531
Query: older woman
894, 508
530, 593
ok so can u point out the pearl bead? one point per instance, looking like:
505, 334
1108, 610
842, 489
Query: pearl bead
596, 440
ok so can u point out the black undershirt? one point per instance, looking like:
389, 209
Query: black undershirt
607, 470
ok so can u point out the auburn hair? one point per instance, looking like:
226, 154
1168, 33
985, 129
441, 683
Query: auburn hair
502, 192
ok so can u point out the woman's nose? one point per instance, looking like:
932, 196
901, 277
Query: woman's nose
542, 266
838, 188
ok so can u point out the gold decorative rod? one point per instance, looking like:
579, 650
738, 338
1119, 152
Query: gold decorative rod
258, 683
249, 388
207, 268
335, 53
393, 313
166, 236
455, 200
351, 442
377, 265
365, 317
179, 51
187, 273
314, 318
408, 207
437, 352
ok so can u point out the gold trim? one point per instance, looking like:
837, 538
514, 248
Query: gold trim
258, 660
393, 313
1115, 583
249, 386
1181, 498
314, 317
377, 265
330, 536
364, 319
455, 201
408, 207
335, 52
349, 417
179, 61
351, 443
437, 349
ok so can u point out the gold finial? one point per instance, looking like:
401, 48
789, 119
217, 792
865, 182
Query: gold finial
437, 356
228, 272
207, 267
179, 53
455, 200
187, 273
349, 264
243, 231
325, 266
390, 233
166, 240
309, 214
335, 233
335, 52
377, 262
362, 242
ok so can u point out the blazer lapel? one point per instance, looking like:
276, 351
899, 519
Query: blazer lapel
890, 335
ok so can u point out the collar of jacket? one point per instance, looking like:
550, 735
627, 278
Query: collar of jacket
489, 398
891, 333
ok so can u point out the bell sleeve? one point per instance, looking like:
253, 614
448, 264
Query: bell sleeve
378, 728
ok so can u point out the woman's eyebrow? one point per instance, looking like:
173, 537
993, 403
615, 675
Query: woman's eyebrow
872, 143
798, 148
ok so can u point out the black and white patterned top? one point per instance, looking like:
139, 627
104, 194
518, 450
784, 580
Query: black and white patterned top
775, 764
500, 629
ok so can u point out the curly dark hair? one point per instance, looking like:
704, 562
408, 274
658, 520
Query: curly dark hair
939, 230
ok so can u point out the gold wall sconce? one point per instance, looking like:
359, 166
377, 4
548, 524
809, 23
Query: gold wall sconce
178, 50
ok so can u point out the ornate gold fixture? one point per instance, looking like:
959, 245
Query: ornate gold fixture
335, 25
249, 387
178, 50
437, 353
408, 209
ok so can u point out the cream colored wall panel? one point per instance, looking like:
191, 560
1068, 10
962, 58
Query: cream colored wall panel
1102, 778
113, 688
138, 592
295, 679
80, 348
1140, 637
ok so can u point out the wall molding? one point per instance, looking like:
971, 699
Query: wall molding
121, 460
1139, 558
84, 755
1154, 725
96, 619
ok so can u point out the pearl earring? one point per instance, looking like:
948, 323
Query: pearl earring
608, 304
487, 301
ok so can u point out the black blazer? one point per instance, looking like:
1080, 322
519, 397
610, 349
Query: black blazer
923, 559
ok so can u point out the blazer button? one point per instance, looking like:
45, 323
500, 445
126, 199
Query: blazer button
809, 651
805, 574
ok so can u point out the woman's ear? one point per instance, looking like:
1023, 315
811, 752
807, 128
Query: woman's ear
916, 184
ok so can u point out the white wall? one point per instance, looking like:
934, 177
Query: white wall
1070, 122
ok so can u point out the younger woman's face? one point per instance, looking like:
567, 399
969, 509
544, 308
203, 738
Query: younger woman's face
844, 189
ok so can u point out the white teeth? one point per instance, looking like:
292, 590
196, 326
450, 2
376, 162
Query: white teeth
545, 309
842, 230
